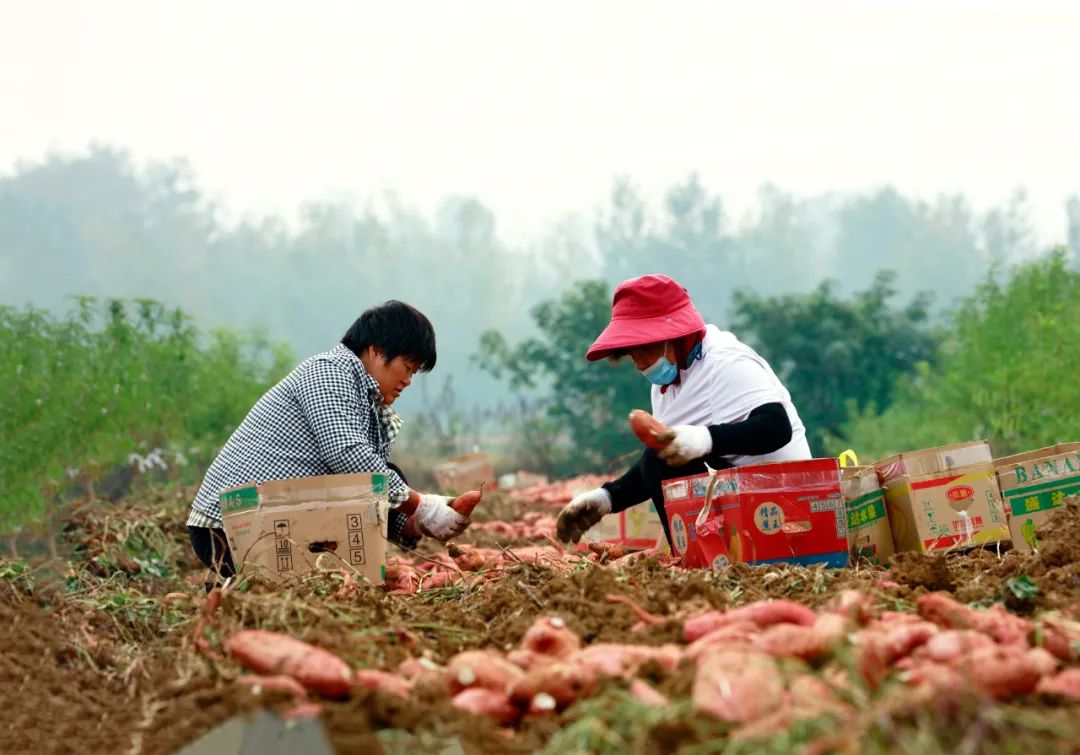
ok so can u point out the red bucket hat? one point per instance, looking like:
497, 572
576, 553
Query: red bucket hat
646, 309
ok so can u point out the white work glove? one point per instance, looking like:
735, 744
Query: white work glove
690, 442
435, 519
580, 514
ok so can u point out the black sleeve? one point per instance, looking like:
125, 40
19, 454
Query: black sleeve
630, 489
767, 429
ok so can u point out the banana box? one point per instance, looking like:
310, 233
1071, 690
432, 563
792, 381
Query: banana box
1034, 485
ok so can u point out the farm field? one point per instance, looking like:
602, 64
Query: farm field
111, 649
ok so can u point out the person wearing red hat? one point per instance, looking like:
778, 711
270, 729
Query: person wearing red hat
723, 400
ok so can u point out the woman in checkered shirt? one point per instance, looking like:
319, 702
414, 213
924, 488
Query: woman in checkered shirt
333, 414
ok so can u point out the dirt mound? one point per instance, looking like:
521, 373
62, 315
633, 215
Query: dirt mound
45, 686
987, 575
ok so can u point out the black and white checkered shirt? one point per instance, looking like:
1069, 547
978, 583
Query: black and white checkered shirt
324, 417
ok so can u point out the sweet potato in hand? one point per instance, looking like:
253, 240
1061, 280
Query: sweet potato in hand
650, 431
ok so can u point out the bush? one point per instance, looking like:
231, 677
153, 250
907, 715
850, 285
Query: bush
111, 379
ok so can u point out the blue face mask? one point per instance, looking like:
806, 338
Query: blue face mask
663, 371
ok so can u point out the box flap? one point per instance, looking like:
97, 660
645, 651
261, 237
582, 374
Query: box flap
322, 489
933, 460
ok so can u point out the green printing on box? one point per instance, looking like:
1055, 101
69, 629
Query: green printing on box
866, 509
378, 483
239, 500
1044, 497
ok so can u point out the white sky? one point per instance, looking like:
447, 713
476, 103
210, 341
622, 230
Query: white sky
535, 107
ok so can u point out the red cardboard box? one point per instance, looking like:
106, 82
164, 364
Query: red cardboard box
683, 500
788, 511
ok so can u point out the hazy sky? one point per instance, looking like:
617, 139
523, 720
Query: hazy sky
534, 107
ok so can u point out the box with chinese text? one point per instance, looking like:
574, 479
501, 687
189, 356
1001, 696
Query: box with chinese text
789, 511
1034, 485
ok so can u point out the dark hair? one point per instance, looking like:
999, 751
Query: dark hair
395, 329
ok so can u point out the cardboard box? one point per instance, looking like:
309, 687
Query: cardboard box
958, 508
780, 512
280, 528
1033, 485
932, 460
869, 533
638, 527
684, 499
466, 472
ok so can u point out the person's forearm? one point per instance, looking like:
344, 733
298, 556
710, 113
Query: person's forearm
408, 508
765, 430
629, 490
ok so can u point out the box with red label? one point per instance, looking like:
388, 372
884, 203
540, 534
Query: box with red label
956, 508
787, 511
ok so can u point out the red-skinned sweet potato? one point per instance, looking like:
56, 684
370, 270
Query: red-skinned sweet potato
481, 668
370, 678
466, 502
269, 652
650, 431
486, 702
550, 636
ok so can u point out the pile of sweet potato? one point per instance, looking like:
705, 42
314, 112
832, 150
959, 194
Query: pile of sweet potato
760, 666
557, 493
532, 525
460, 563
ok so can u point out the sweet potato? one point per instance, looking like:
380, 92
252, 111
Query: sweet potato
1003, 626
527, 660
481, 668
269, 652
1044, 661
471, 558
830, 627
763, 613
646, 695
650, 431
401, 579
489, 703
1065, 684
279, 683
563, 682
411, 669
605, 552
880, 646
765, 727
852, 604
1061, 637
738, 634
792, 641
998, 671
811, 695
738, 685
953, 645
1003, 671
370, 678
466, 502
550, 636
607, 659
